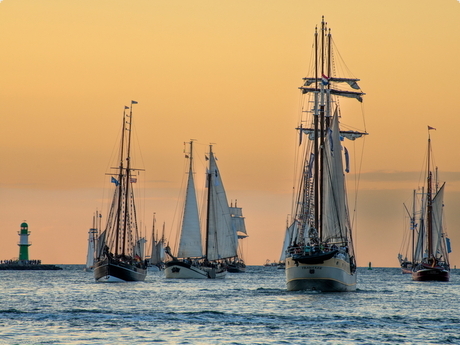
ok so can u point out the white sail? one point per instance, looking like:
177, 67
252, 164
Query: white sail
238, 221
190, 238
336, 218
91, 248
289, 234
222, 241
437, 227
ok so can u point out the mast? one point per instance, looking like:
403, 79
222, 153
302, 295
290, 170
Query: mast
413, 229
322, 131
208, 206
120, 185
127, 182
316, 141
429, 203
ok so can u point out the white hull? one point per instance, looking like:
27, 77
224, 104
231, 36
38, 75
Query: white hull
192, 272
332, 275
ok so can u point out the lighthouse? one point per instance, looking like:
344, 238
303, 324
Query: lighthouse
24, 242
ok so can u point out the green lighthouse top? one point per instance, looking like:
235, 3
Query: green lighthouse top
24, 225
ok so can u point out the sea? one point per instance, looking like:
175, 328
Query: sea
69, 307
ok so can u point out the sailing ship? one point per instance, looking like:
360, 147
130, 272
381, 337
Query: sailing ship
157, 253
119, 252
432, 247
220, 238
237, 265
320, 254
92, 235
406, 252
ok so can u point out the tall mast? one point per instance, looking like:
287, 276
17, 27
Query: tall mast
127, 218
208, 207
316, 142
120, 184
429, 203
412, 225
322, 131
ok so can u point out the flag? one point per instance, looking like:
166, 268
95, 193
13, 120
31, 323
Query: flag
206, 157
324, 79
429, 127
114, 180
133, 102
126, 107
347, 161
449, 248
133, 180
186, 156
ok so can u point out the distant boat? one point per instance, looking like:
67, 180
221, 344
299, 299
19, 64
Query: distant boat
92, 236
119, 253
220, 238
157, 254
432, 247
237, 264
320, 255
408, 243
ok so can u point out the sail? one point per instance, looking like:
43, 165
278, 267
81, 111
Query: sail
335, 223
238, 221
91, 248
437, 226
101, 243
222, 241
190, 238
288, 235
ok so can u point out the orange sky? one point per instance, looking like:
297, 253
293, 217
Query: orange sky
225, 72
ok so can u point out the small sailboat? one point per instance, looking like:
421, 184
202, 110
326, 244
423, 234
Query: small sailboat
320, 254
237, 265
119, 254
157, 254
92, 236
220, 238
406, 252
432, 247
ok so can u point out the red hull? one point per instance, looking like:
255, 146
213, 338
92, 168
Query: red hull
431, 274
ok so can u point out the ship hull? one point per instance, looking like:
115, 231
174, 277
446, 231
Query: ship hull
181, 270
106, 271
332, 275
236, 268
431, 274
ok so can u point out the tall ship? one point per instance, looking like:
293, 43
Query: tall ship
119, 252
237, 264
407, 249
157, 250
319, 252
432, 247
92, 236
220, 240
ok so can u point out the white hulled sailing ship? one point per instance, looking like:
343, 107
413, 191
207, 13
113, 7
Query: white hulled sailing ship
220, 239
431, 252
119, 253
319, 252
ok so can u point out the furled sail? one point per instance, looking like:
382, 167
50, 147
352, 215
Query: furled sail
335, 223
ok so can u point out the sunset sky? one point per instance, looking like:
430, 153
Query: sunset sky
222, 72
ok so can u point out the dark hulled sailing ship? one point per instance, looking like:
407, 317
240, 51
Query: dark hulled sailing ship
431, 251
119, 252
